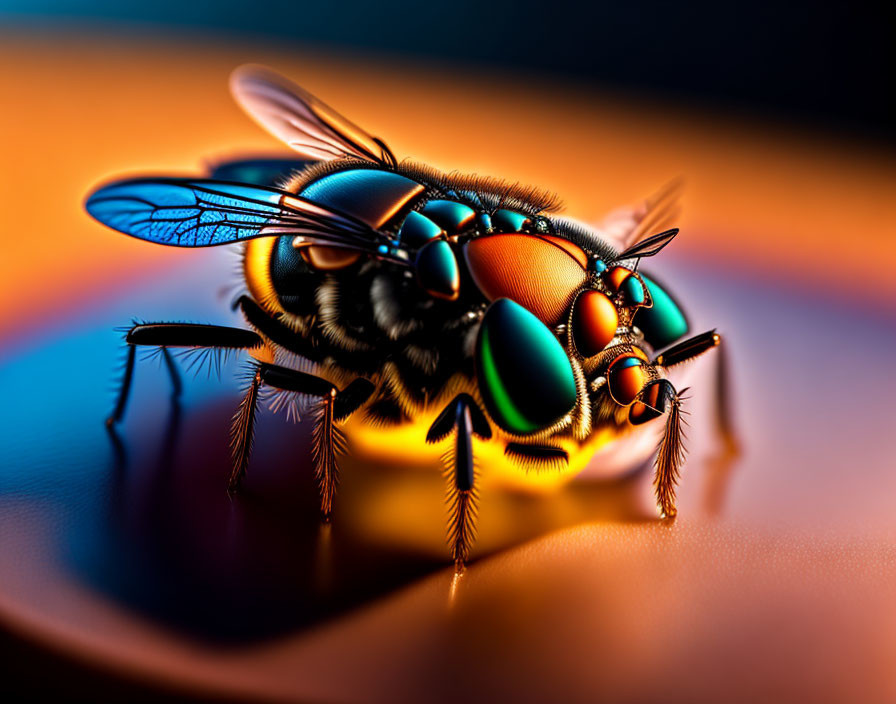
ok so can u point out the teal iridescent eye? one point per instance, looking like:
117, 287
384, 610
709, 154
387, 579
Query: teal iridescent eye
450, 216
664, 323
437, 269
633, 290
509, 221
598, 266
417, 230
524, 375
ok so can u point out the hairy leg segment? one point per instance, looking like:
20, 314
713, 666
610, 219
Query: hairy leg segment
463, 418
670, 454
332, 407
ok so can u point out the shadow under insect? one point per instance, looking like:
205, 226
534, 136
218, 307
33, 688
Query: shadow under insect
174, 545
143, 517
181, 549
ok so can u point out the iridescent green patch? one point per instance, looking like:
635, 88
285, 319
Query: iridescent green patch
634, 292
664, 323
524, 375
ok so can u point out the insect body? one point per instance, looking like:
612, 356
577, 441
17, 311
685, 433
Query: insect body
411, 292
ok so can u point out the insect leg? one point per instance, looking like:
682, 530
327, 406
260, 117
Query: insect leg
242, 430
191, 335
165, 335
327, 440
688, 349
692, 348
670, 454
466, 419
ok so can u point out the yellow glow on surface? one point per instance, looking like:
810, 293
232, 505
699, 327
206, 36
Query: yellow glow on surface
406, 445
393, 490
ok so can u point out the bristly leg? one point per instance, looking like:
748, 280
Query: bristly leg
462, 495
669, 459
690, 349
465, 418
210, 339
333, 407
242, 429
327, 441
462, 526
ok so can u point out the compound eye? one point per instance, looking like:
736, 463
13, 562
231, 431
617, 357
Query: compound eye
665, 322
540, 272
619, 279
594, 322
524, 375
626, 377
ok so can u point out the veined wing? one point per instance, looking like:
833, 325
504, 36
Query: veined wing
306, 124
626, 227
208, 213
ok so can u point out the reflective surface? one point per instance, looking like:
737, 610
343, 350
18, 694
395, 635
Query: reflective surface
131, 547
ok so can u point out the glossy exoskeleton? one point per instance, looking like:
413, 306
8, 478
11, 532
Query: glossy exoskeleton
409, 292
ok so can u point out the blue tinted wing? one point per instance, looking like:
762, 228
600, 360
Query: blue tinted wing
207, 213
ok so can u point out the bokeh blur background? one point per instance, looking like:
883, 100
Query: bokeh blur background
775, 582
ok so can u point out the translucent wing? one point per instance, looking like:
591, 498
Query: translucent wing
207, 213
306, 124
626, 227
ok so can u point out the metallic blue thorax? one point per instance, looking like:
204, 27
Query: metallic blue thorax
389, 201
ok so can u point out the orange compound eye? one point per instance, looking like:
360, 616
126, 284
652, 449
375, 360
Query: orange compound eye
540, 274
570, 248
615, 276
626, 377
594, 322
621, 279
